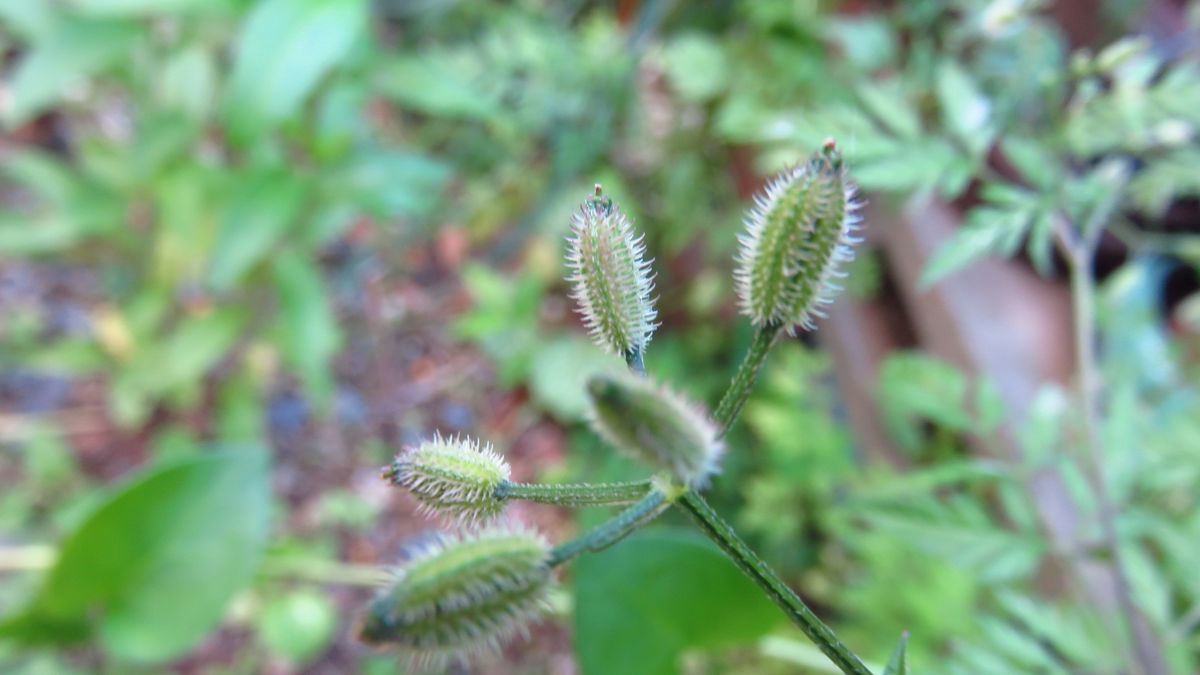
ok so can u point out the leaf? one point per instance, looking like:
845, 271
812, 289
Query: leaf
285, 48
70, 53
889, 104
299, 626
696, 66
965, 109
65, 57
429, 83
989, 231
898, 664
392, 184
152, 570
560, 370
639, 604
263, 208
150, 7
309, 329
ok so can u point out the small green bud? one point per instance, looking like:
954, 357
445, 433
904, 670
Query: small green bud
456, 476
656, 426
462, 596
611, 281
798, 233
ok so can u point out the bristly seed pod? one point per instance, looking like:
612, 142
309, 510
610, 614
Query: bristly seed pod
611, 281
656, 426
461, 596
455, 476
799, 232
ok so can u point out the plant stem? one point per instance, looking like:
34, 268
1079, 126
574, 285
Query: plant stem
613, 530
576, 494
635, 362
779, 593
1079, 250
743, 380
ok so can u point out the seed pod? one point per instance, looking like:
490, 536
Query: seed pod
611, 281
798, 233
655, 426
454, 476
461, 596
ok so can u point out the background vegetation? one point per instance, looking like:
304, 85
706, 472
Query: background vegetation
250, 249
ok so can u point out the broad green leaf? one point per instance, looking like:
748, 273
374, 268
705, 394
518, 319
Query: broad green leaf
560, 371
62, 60
263, 209
392, 184
429, 83
641, 603
151, 7
308, 328
696, 66
152, 570
30, 19
285, 48
299, 626
898, 664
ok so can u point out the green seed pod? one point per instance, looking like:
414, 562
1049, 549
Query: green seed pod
656, 426
462, 596
611, 281
455, 476
798, 233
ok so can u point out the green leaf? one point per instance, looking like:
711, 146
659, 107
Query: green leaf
560, 370
70, 53
309, 329
889, 104
898, 664
263, 209
429, 83
150, 7
286, 47
152, 570
392, 184
965, 109
641, 603
989, 231
696, 66
299, 626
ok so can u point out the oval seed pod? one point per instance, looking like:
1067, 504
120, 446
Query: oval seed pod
462, 596
655, 426
798, 233
454, 476
611, 281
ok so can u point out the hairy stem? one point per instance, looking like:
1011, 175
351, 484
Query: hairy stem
635, 362
779, 593
743, 380
576, 494
613, 530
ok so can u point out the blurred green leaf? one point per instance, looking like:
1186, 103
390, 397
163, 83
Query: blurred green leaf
152, 569
696, 66
560, 371
62, 60
898, 663
285, 48
431, 84
309, 330
263, 208
637, 605
299, 625
390, 184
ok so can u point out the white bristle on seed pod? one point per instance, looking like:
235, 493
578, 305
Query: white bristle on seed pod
611, 281
656, 426
456, 476
798, 235
460, 596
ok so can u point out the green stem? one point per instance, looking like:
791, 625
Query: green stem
743, 380
635, 362
576, 494
779, 593
613, 530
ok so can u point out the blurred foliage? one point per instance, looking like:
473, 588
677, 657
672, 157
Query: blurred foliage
218, 176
